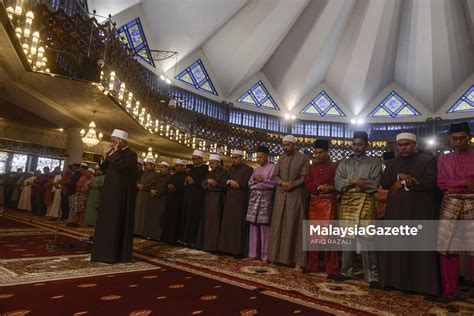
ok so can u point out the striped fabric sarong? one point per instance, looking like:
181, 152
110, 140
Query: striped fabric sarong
355, 207
260, 206
456, 208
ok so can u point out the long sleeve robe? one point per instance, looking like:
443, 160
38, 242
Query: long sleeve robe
156, 207
289, 211
174, 205
233, 237
411, 270
148, 178
113, 239
213, 206
192, 205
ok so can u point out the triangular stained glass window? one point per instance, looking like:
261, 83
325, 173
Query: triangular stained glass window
132, 35
322, 105
465, 103
394, 106
197, 77
259, 96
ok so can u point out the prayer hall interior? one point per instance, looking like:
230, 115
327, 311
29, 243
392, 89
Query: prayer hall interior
184, 157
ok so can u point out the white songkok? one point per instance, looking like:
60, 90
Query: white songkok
290, 138
214, 157
198, 153
237, 152
84, 165
164, 163
91, 170
180, 162
150, 160
408, 136
140, 160
120, 134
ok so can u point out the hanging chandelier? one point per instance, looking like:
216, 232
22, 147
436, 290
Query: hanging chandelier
150, 154
91, 138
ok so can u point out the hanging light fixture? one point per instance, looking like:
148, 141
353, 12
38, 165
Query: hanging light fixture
91, 138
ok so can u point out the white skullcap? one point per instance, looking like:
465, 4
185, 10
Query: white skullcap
140, 160
96, 167
214, 157
120, 134
237, 152
91, 170
290, 138
164, 163
198, 153
150, 160
408, 136
84, 165
180, 162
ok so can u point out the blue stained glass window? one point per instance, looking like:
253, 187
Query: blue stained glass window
322, 105
258, 96
132, 35
196, 76
465, 103
394, 106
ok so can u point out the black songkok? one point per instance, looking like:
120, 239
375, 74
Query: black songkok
460, 127
263, 149
388, 155
362, 135
321, 143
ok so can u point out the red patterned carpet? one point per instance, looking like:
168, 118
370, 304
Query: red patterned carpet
163, 291
311, 289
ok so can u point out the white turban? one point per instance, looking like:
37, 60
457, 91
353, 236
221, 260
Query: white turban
120, 134
290, 138
164, 163
150, 160
408, 136
140, 160
198, 153
237, 152
180, 162
91, 170
214, 157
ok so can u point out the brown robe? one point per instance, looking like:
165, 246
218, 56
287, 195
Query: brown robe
213, 206
156, 208
143, 197
233, 238
289, 211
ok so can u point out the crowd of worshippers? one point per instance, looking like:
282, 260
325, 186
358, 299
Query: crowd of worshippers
258, 213
72, 194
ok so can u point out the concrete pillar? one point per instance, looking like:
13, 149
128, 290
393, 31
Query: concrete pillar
74, 146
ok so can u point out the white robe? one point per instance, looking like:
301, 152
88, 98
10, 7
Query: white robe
25, 198
55, 207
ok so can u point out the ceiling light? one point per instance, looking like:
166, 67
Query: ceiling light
431, 141
162, 77
360, 121
287, 116
293, 117
168, 81
353, 121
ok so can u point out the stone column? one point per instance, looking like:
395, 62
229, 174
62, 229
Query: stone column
74, 146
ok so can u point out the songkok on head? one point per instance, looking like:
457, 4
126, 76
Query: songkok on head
263, 149
150, 160
388, 155
214, 157
180, 162
459, 128
198, 153
164, 163
120, 134
237, 152
361, 134
84, 166
91, 170
290, 138
321, 143
409, 136
140, 161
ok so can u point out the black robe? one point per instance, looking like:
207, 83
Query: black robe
113, 239
233, 238
192, 206
174, 205
156, 207
213, 207
414, 271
